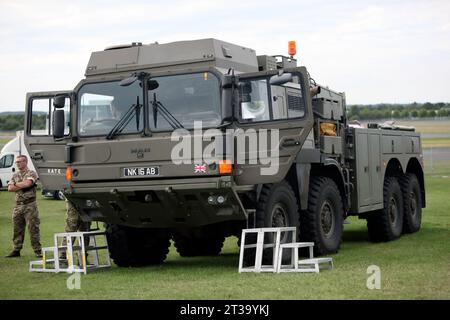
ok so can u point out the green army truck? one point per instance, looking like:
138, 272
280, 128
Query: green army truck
193, 141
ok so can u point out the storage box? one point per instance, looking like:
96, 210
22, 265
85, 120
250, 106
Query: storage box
331, 145
327, 108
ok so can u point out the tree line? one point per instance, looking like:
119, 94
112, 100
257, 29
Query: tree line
15, 121
398, 111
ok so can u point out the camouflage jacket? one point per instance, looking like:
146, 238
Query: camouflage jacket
25, 195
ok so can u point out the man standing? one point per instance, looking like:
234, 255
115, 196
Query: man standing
23, 183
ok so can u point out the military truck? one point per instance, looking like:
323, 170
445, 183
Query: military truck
126, 148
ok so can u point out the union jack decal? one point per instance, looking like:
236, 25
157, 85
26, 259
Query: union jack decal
200, 168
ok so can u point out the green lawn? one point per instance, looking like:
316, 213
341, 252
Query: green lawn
435, 142
414, 267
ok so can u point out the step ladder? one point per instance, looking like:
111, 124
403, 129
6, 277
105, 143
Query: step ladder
305, 265
295, 265
77, 253
261, 245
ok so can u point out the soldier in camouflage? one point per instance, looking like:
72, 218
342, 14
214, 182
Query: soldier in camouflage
73, 224
23, 183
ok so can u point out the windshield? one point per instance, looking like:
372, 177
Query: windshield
102, 105
187, 98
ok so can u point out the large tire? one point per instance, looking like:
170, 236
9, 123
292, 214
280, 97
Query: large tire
387, 224
135, 247
322, 222
277, 207
412, 203
191, 244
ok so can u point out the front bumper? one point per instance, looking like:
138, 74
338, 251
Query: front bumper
167, 203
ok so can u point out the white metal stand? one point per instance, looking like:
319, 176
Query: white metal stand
306, 265
76, 252
259, 246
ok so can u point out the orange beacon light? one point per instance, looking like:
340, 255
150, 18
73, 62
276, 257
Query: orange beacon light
292, 48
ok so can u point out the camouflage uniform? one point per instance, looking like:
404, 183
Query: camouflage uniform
74, 222
26, 212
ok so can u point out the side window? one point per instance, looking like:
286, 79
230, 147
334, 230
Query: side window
42, 116
287, 101
254, 101
9, 160
2, 162
279, 103
284, 101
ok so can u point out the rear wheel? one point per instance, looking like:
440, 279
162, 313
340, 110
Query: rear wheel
322, 222
133, 247
412, 203
387, 224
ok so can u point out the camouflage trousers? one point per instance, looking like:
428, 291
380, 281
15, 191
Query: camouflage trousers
23, 215
74, 222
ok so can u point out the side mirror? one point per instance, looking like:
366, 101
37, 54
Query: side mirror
59, 102
58, 123
227, 96
152, 84
280, 79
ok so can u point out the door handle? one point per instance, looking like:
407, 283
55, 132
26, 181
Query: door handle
13, 169
37, 156
290, 143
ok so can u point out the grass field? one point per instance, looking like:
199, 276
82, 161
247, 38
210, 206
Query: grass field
427, 126
413, 267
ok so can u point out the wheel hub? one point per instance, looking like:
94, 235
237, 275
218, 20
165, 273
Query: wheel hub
279, 216
280, 219
393, 210
327, 219
412, 203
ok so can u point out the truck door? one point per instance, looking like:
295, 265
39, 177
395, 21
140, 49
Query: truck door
274, 118
46, 152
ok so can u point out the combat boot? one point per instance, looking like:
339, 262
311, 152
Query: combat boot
13, 254
38, 253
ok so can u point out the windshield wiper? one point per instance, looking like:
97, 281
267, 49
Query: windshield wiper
125, 119
158, 106
224, 124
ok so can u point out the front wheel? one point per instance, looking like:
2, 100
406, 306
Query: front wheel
134, 247
207, 241
322, 222
277, 207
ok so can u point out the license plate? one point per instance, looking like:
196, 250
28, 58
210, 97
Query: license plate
141, 172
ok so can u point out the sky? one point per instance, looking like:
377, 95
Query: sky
375, 51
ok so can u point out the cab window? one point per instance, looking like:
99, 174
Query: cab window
262, 102
42, 116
